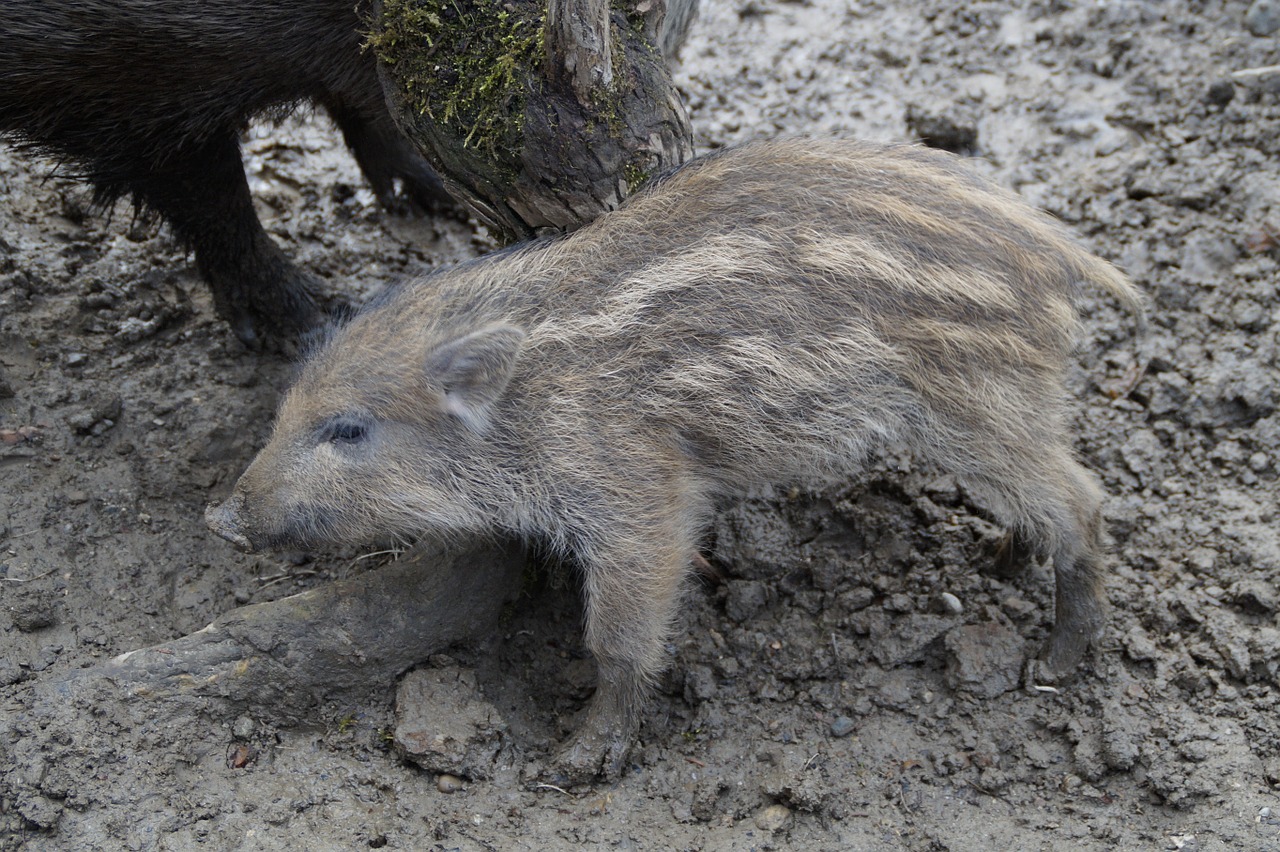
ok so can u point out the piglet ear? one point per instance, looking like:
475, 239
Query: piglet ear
473, 370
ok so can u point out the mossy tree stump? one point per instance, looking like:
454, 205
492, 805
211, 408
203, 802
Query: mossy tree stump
539, 118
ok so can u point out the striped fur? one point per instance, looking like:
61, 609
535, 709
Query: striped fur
765, 315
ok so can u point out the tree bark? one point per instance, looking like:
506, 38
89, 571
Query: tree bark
287, 655
578, 51
538, 119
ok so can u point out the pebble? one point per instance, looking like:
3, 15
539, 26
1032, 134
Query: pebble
842, 726
1263, 17
773, 817
10, 672
1221, 93
1248, 314
243, 728
446, 783
1257, 596
950, 604
33, 610
899, 603
983, 660
942, 131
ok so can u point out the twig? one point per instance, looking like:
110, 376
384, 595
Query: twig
286, 575
541, 786
1262, 71
28, 579
986, 792
392, 551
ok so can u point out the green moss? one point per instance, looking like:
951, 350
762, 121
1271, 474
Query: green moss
635, 176
466, 64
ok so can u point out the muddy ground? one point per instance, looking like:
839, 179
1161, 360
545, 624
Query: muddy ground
855, 682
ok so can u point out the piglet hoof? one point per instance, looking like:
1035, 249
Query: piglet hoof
587, 758
1061, 656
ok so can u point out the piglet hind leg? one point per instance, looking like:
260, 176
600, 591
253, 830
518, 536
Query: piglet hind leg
631, 604
1054, 507
1078, 566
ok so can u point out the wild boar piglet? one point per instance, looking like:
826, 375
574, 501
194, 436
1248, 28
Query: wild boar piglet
764, 315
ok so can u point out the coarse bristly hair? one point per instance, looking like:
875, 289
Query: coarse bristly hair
764, 315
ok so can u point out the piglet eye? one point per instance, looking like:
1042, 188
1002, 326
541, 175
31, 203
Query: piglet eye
347, 432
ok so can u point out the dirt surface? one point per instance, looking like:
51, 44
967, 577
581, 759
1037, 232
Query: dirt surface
855, 682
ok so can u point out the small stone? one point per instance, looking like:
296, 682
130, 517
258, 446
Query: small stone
1139, 645
447, 783
1258, 462
1248, 314
908, 638
103, 414
243, 728
1255, 596
1263, 17
1196, 751
134, 329
46, 656
950, 604
773, 817
942, 131
76, 359
33, 609
41, 812
10, 672
1220, 93
899, 603
984, 660
1017, 607
1202, 560
1122, 737
745, 598
842, 726
445, 725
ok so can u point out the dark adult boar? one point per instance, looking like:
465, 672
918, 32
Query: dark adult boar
763, 315
147, 99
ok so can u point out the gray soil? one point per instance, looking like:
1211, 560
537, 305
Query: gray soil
855, 681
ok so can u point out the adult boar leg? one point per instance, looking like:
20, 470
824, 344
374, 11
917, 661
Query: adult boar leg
200, 188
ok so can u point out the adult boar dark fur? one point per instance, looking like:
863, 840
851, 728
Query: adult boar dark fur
762, 316
147, 99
